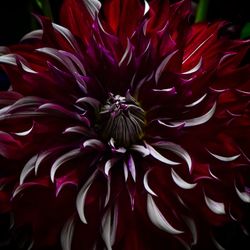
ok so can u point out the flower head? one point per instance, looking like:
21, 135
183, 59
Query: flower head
125, 128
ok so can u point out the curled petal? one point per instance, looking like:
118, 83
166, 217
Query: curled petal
180, 182
196, 102
158, 219
198, 120
162, 66
146, 185
131, 167
109, 227
178, 150
214, 206
94, 143
141, 149
109, 164
29, 166
63, 159
67, 234
81, 197
224, 158
244, 196
160, 157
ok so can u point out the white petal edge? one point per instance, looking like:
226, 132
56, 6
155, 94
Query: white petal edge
131, 167
93, 7
35, 34
126, 53
108, 192
160, 157
29, 166
192, 227
214, 206
245, 197
125, 170
93, 143
61, 160
164, 90
40, 158
81, 196
146, 185
108, 165
178, 150
60, 57
109, 228
180, 182
196, 102
67, 234
67, 35
141, 149
146, 8
162, 66
224, 158
194, 69
198, 120
24, 133
75, 129
158, 219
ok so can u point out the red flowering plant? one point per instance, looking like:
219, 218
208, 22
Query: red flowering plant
125, 128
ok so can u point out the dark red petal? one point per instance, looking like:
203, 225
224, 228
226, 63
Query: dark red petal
123, 16
78, 16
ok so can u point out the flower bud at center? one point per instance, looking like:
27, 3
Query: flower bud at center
122, 120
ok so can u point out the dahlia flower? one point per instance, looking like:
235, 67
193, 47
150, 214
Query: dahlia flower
125, 127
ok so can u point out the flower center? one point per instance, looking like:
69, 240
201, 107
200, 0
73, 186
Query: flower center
122, 119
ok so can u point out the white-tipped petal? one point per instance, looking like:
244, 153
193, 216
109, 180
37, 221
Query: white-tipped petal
217, 244
125, 170
195, 68
131, 167
42, 157
67, 35
141, 149
108, 192
196, 102
192, 227
214, 206
35, 34
60, 57
67, 234
108, 165
63, 159
160, 157
198, 120
109, 227
162, 66
176, 149
146, 8
75, 129
224, 158
127, 53
91, 101
29, 166
93, 7
81, 197
93, 143
8, 59
245, 197
168, 90
26, 132
146, 185
180, 182
158, 219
